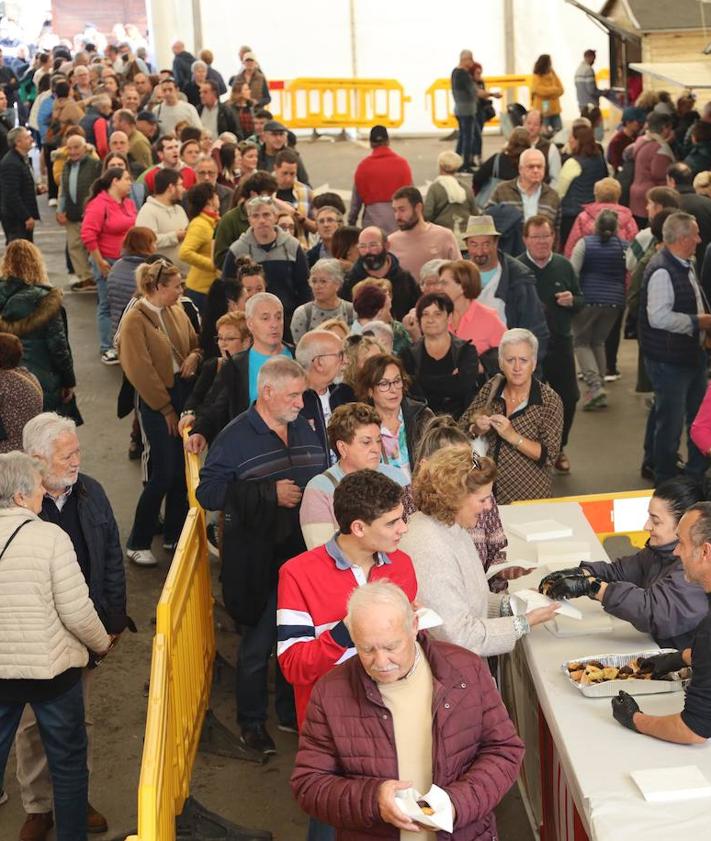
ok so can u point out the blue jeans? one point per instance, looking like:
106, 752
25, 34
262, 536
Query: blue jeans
465, 141
63, 734
103, 310
166, 475
319, 831
678, 392
478, 134
554, 122
252, 664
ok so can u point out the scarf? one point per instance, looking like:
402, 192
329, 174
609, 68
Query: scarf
454, 190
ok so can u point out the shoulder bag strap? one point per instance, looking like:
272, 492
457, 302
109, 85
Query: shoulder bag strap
12, 537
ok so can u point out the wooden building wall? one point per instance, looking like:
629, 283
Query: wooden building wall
674, 46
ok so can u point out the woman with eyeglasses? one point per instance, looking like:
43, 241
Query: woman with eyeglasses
383, 382
325, 280
444, 367
452, 488
518, 421
159, 354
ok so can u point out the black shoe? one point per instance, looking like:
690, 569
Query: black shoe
135, 450
257, 738
647, 472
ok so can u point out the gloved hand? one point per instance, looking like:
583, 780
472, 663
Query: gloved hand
570, 587
624, 707
548, 580
661, 664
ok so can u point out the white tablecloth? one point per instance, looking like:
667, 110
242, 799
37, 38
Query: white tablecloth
596, 753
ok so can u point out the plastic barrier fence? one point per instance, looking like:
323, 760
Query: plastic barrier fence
181, 679
339, 103
611, 515
441, 104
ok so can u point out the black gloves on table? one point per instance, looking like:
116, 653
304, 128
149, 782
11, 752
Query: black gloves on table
661, 664
624, 707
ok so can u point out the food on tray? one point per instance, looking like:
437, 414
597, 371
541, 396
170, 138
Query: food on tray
575, 667
425, 807
594, 671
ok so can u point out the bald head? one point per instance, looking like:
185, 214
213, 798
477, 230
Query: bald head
118, 142
178, 47
531, 168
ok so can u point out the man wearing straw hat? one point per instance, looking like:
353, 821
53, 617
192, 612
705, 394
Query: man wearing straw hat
507, 286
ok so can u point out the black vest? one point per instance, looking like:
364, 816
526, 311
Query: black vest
581, 190
663, 345
602, 276
68, 520
89, 171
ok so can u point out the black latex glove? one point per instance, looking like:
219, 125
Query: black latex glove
661, 664
570, 587
552, 577
624, 707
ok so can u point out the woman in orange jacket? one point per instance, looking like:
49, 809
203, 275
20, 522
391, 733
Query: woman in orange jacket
546, 91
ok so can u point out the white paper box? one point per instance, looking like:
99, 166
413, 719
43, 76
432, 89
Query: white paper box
427, 618
438, 799
535, 530
567, 553
666, 785
522, 601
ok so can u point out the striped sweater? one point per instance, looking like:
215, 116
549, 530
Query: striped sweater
311, 604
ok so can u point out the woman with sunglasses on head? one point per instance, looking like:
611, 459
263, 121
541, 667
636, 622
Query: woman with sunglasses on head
452, 488
383, 382
159, 354
325, 280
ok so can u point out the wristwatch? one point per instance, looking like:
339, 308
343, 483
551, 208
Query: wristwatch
595, 585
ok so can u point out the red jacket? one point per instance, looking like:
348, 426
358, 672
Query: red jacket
651, 160
584, 224
311, 606
187, 173
347, 747
379, 175
105, 224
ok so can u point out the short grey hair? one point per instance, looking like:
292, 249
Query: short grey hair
676, 226
260, 298
380, 330
277, 371
198, 65
514, 337
701, 530
529, 153
18, 474
431, 269
41, 432
100, 99
313, 344
259, 201
330, 267
331, 209
14, 134
376, 594
449, 161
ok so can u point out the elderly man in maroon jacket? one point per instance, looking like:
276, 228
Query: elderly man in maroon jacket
408, 711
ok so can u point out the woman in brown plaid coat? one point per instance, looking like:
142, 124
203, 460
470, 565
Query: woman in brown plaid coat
518, 420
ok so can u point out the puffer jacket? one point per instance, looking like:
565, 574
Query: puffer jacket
48, 620
347, 747
584, 224
33, 313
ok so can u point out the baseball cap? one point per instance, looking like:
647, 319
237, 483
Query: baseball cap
632, 114
274, 125
147, 116
379, 134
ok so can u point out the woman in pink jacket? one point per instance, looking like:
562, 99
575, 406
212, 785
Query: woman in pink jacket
701, 427
607, 193
108, 215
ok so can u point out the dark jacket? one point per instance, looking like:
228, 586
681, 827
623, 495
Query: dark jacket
96, 128
18, 191
183, 68
89, 171
107, 578
517, 287
226, 119
445, 394
313, 412
415, 415
232, 225
602, 275
405, 289
700, 208
347, 747
649, 590
34, 314
698, 158
580, 191
121, 285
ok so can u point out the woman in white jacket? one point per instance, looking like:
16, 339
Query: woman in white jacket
451, 489
47, 623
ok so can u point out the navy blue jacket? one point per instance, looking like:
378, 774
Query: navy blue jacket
517, 287
602, 275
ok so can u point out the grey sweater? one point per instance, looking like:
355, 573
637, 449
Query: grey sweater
451, 581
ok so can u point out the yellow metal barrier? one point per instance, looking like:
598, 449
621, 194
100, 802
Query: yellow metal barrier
441, 104
181, 678
341, 103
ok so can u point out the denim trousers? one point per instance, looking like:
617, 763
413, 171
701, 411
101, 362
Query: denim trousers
465, 141
103, 310
553, 122
319, 831
678, 392
61, 727
255, 651
166, 477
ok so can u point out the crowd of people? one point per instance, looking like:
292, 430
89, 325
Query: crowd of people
367, 384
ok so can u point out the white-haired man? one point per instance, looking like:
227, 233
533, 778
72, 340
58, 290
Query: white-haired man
428, 713
255, 472
79, 506
320, 354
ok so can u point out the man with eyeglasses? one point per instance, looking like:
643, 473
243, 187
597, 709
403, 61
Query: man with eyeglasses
559, 290
206, 172
328, 220
285, 266
376, 261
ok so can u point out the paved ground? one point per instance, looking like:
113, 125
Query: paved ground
605, 455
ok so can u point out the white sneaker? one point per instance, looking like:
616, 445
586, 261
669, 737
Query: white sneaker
52, 202
110, 357
142, 557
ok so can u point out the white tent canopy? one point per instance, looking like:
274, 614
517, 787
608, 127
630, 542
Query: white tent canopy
685, 74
